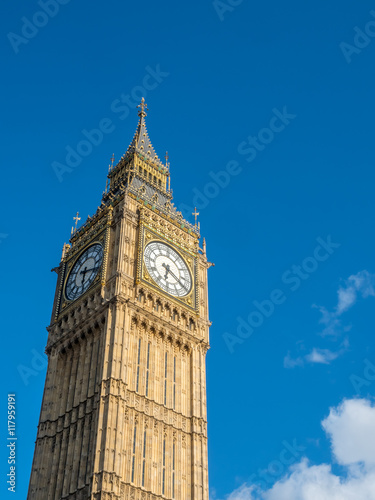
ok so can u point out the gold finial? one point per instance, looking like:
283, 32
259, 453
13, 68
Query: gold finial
169, 175
76, 218
195, 213
66, 247
110, 167
143, 107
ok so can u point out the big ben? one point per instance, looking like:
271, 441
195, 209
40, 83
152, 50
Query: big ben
124, 406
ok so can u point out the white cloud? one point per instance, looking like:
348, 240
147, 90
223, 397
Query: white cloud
351, 429
317, 482
290, 362
357, 285
244, 492
322, 356
361, 284
317, 355
346, 298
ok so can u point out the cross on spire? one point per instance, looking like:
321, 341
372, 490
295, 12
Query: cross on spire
143, 107
76, 218
195, 213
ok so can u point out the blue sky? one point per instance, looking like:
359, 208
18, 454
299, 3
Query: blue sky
266, 110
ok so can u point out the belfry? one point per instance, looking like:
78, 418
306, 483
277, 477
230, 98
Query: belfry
124, 406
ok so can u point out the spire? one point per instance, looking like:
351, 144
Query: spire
110, 167
141, 142
141, 174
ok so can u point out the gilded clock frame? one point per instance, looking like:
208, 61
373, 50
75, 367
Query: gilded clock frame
64, 302
72, 263
148, 235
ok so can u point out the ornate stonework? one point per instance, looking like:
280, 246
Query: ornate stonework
124, 407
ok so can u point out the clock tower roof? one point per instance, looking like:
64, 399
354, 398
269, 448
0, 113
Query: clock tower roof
141, 142
140, 167
142, 175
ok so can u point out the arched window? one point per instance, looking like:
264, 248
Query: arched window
144, 458
138, 363
147, 367
173, 467
133, 457
163, 485
165, 377
174, 382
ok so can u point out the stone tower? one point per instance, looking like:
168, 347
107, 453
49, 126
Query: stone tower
124, 406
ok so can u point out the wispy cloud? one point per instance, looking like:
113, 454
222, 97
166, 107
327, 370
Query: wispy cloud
290, 362
360, 285
350, 428
356, 286
322, 356
315, 356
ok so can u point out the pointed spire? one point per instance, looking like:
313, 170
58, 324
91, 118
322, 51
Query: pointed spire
141, 142
110, 168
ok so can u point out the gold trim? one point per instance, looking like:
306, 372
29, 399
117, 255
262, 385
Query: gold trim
148, 235
72, 263
191, 271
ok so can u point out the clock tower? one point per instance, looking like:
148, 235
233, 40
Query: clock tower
124, 406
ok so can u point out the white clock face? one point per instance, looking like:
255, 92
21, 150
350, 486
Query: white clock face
84, 271
168, 269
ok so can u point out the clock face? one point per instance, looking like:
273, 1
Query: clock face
168, 269
84, 271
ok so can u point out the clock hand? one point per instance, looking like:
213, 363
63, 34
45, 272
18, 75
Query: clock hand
91, 269
167, 270
175, 277
84, 274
